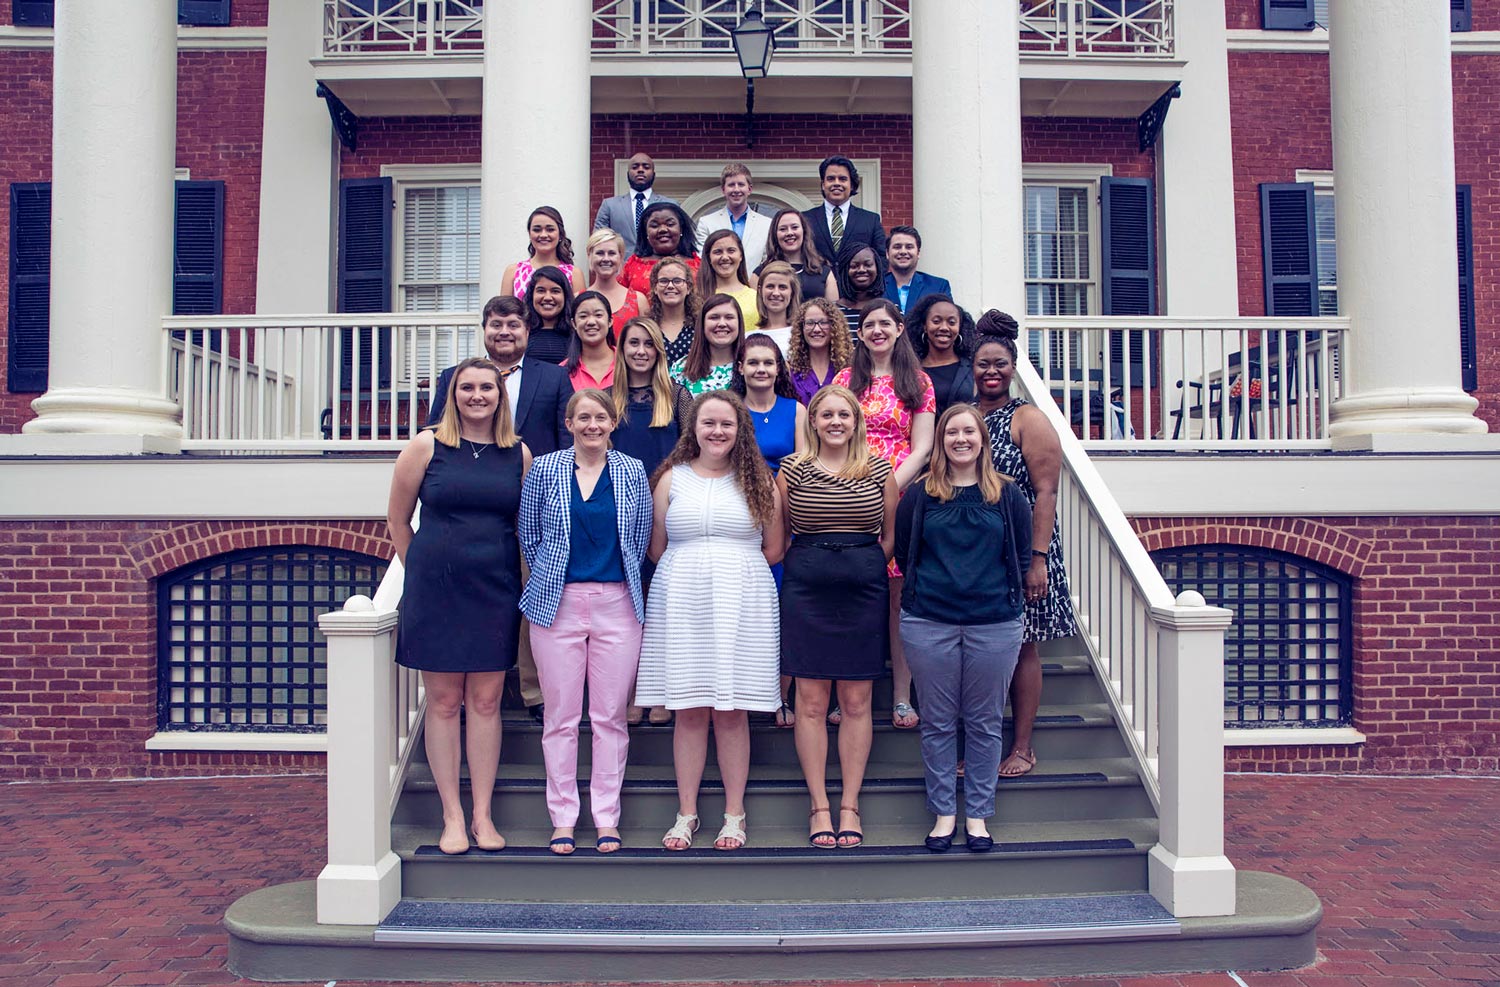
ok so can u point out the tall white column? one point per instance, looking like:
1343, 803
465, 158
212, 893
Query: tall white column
534, 146
966, 148
114, 136
1392, 99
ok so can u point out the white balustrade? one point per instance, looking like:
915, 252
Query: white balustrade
1161, 661
403, 27
1162, 382
1098, 28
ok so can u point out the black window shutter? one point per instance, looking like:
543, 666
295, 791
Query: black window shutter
198, 249
1463, 14
203, 13
1289, 253
1128, 248
366, 210
1466, 343
1287, 15
31, 13
30, 287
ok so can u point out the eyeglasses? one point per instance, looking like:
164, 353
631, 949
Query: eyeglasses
816, 324
671, 282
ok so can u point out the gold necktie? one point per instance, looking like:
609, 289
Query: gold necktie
838, 229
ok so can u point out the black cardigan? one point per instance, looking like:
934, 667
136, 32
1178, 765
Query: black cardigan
1015, 553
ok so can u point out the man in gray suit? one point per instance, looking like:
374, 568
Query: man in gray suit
622, 213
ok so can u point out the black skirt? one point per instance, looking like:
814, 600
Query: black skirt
834, 608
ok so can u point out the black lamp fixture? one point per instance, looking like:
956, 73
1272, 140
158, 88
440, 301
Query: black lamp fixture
754, 43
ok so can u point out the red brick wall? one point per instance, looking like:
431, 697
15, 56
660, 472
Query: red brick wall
1245, 14
1084, 140
78, 640
242, 13
26, 139
1426, 635
1476, 143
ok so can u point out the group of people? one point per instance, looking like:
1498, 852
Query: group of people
675, 486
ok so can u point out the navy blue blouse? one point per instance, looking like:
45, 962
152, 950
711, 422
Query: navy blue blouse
594, 535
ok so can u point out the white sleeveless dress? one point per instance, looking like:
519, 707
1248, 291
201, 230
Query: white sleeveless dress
713, 627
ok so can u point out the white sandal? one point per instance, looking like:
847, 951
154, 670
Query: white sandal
734, 829
683, 829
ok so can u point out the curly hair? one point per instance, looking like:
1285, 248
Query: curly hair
687, 243
564, 245
1000, 328
751, 474
690, 293
781, 387
916, 326
840, 345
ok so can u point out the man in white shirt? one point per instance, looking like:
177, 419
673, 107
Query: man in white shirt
622, 213
753, 228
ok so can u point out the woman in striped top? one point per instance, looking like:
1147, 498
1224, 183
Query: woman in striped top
840, 502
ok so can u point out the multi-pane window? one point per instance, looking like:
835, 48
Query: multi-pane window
1328, 276
237, 637
439, 271
1288, 653
1060, 276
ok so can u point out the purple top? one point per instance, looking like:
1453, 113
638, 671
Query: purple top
807, 384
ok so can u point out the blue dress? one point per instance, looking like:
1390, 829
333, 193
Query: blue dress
776, 431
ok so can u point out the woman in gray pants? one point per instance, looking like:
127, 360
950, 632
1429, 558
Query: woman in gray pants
963, 538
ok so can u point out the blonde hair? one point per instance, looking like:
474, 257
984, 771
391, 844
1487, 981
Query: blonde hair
840, 345
662, 405
447, 431
939, 483
599, 237
857, 460
783, 269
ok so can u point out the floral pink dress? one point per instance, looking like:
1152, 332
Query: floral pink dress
888, 421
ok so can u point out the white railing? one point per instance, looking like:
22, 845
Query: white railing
1135, 382
403, 27
693, 27
375, 715
310, 382
1098, 28
1161, 661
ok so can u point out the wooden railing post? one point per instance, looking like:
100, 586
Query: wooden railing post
361, 882
1189, 873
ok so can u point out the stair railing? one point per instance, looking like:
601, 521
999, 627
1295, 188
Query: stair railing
375, 710
1161, 661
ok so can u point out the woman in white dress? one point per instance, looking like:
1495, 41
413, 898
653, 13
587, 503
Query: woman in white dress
712, 643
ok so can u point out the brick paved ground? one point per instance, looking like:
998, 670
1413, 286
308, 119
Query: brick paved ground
122, 883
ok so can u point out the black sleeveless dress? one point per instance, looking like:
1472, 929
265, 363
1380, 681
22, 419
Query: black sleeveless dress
459, 608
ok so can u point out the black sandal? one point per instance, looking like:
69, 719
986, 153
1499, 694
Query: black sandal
857, 835
823, 834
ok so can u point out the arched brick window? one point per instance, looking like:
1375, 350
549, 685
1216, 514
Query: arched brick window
238, 646
1288, 654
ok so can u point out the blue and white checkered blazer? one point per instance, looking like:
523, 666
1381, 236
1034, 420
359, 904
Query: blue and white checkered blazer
545, 523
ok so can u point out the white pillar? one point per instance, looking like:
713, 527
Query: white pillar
1391, 79
1187, 870
298, 162
966, 164
534, 146
114, 147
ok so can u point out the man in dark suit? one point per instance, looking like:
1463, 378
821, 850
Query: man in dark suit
622, 213
538, 393
836, 221
904, 284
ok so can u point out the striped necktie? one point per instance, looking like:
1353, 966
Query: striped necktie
837, 226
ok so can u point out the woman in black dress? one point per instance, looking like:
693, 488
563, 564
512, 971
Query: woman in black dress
943, 336
459, 620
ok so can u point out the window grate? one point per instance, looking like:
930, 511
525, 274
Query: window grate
238, 646
1288, 654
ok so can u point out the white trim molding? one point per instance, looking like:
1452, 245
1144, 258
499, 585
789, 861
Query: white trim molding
245, 741
1316, 41
1294, 737
252, 38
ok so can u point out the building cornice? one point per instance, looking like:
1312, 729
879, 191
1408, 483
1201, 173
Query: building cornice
1316, 41
188, 38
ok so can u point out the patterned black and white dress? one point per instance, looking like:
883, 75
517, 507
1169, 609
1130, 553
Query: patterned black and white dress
1051, 616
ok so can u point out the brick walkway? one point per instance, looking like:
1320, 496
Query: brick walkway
121, 883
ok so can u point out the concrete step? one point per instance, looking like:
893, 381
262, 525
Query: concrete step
778, 865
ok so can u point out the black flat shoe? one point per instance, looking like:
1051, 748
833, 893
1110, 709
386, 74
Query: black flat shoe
980, 844
941, 844
537, 712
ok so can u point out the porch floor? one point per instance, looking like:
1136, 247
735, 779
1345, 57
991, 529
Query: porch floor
121, 883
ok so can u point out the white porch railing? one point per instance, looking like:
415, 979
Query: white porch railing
310, 382
375, 712
1162, 664
1049, 28
1133, 382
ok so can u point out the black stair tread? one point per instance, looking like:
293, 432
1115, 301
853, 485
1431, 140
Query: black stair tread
1134, 835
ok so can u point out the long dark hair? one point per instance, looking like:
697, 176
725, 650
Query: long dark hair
812, 261
564, 245
907, 378
841, 273
708, 278
783, 388
575, 345
916, 327
565, 318
687, 246
698, 362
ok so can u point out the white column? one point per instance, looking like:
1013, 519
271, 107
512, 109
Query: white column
294, 260
966, 163
361, 882
1187, 870
114, 133
534, 147
1392, 99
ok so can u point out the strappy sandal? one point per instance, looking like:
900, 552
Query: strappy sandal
734, 829
835, 716
659, 716
902, 712
823, 834
682, 830
856, 835
1020, 762
785, 717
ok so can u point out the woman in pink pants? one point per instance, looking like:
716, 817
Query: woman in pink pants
584, 524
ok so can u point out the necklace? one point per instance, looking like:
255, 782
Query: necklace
765, 416
478, 448
828, 469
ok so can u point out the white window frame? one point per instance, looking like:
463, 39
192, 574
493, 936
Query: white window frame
1079, 175
1322, 183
